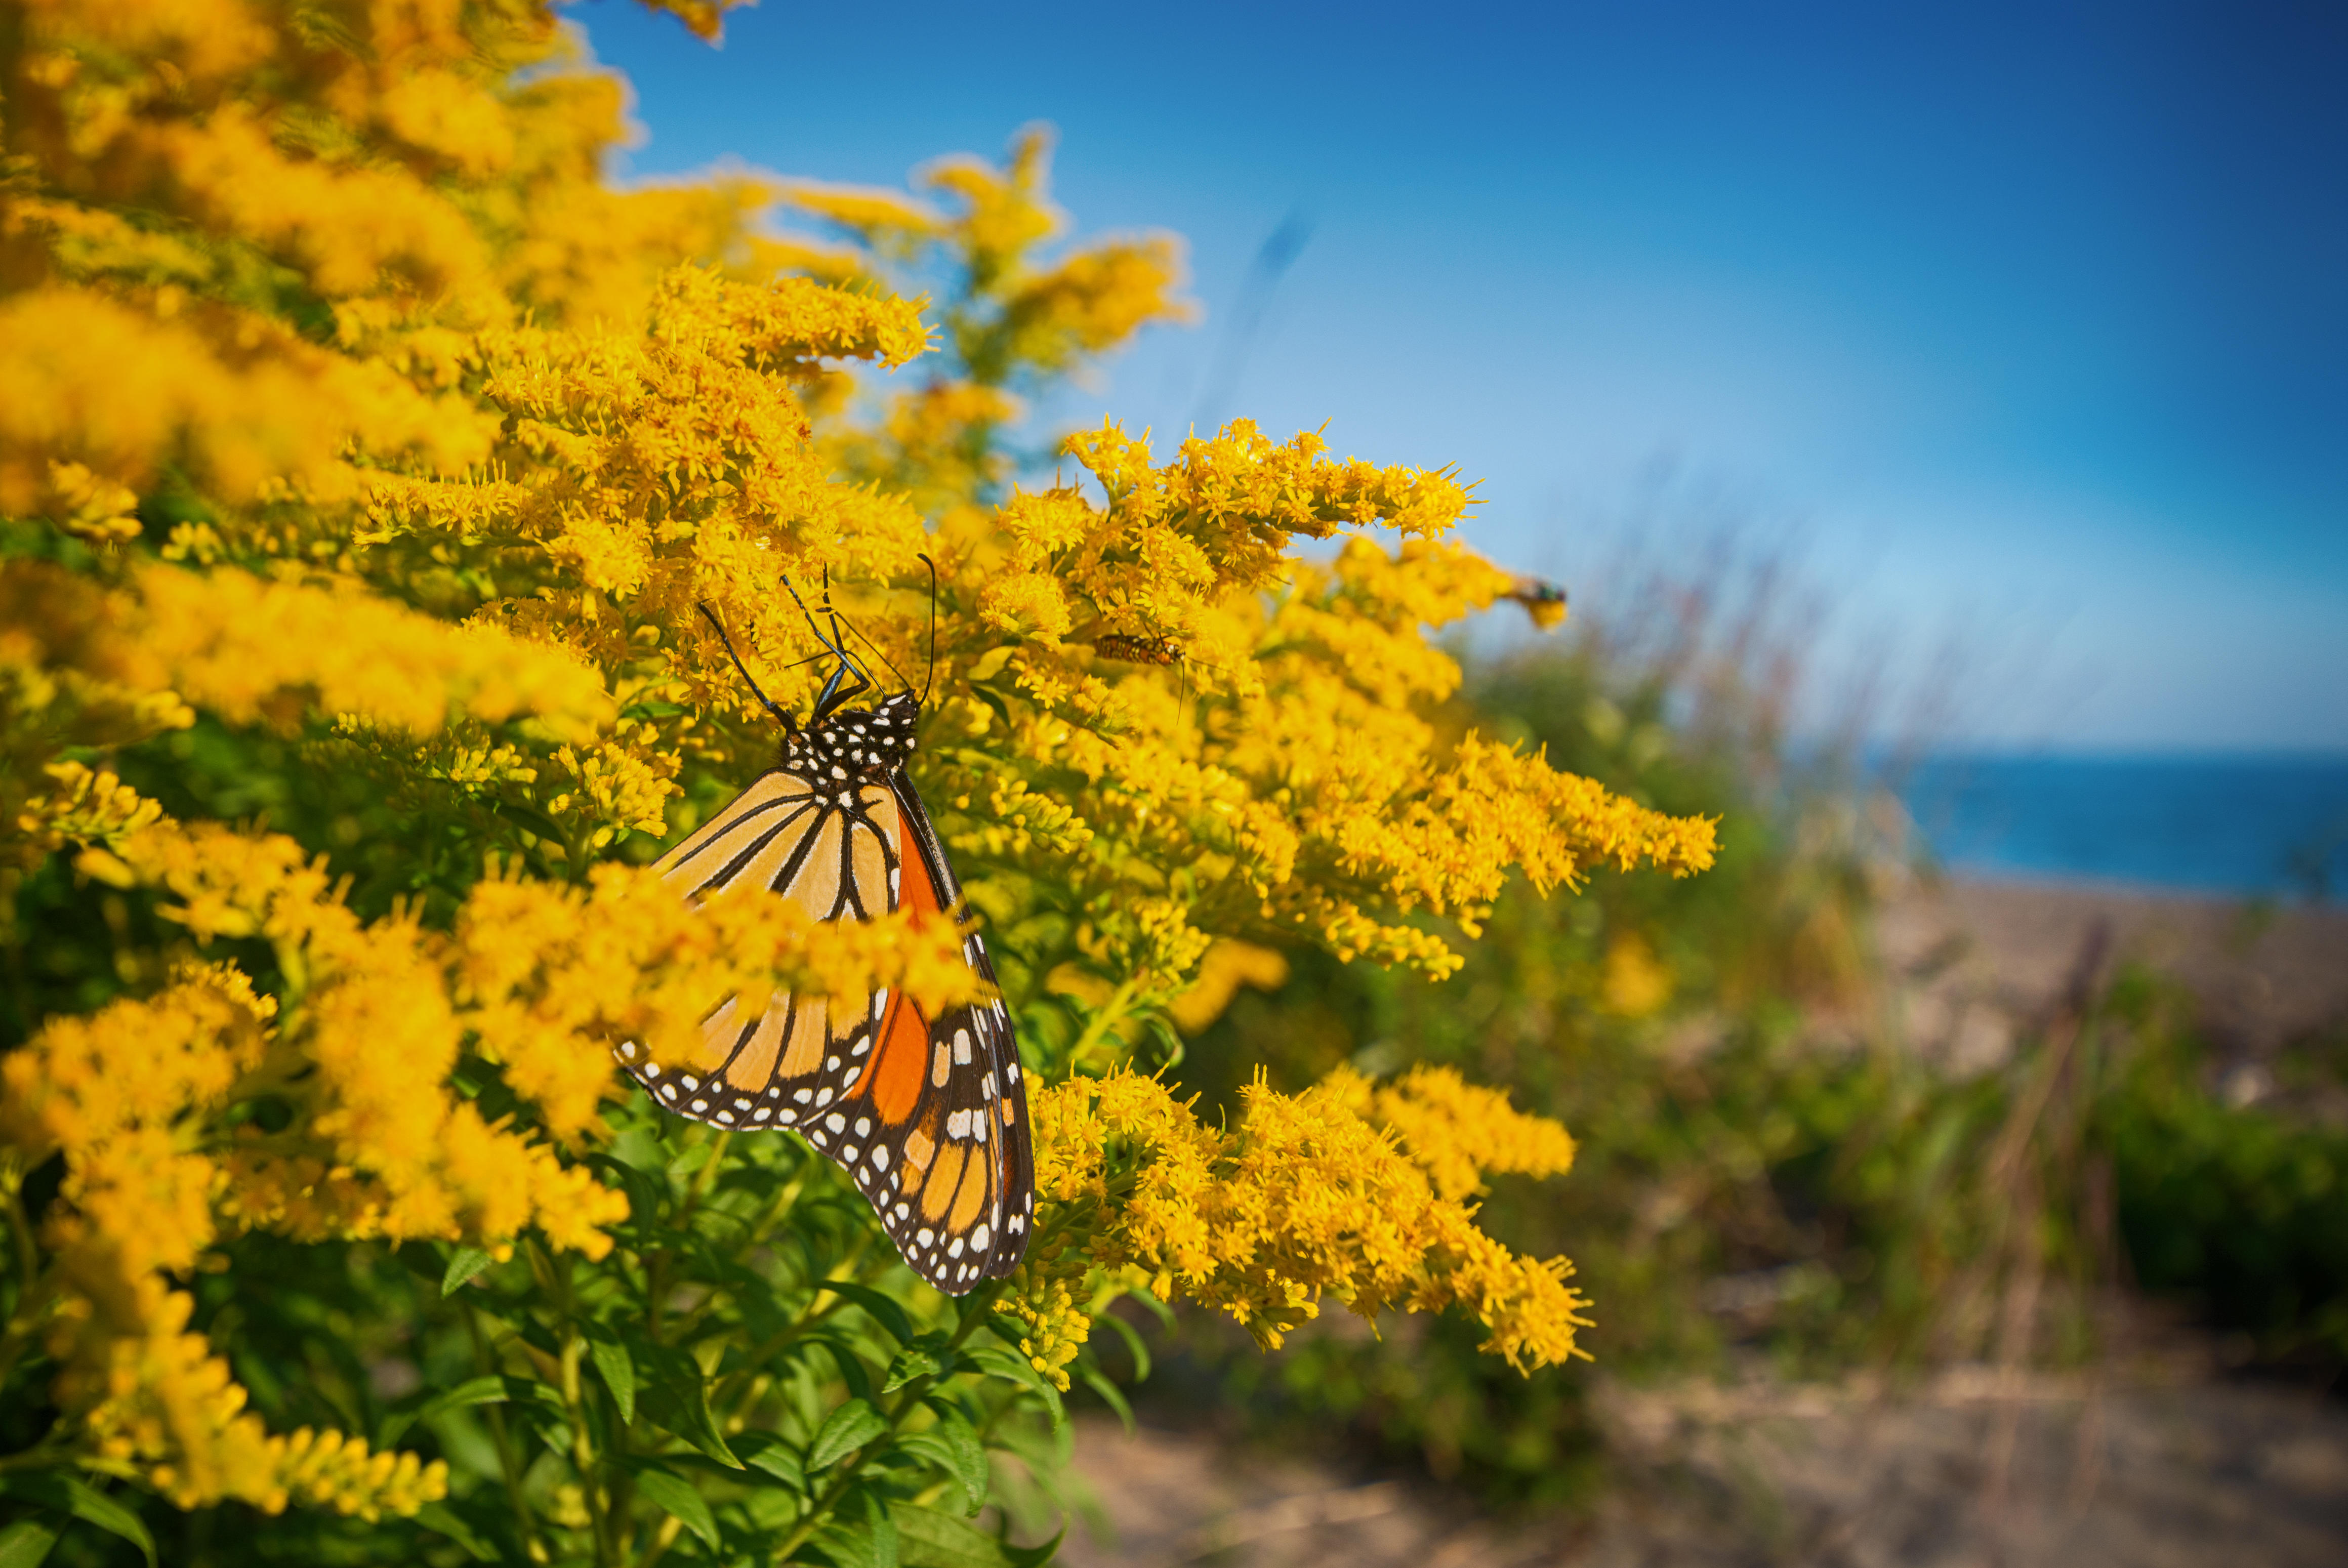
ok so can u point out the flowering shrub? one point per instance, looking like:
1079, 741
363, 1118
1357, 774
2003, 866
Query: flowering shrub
362, 461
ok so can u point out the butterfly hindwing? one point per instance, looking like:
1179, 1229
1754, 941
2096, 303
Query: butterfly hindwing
939, 1114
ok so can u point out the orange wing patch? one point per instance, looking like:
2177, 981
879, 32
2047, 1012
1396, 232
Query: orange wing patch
892, 1079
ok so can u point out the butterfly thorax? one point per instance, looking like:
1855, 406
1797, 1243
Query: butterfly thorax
855, 742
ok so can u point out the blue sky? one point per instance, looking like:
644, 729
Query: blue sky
2031, 324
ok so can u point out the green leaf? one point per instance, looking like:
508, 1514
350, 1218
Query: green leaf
463, 1264
884, 1529
849, 1427
843, 1355
1035, 1556
1165, 1314
928, 1538
679, 1498
995, 700
676, 1397
439, 1517
25, 1544
473, 1391
1110, 1394
1019, 1370
909, 1364
529, 816
1133, 1343
952, 1444
619, 1374
764, 1451
883, 1310
70, 1495
642, 1186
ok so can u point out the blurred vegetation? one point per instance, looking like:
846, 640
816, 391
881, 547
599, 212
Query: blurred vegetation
1767, 1166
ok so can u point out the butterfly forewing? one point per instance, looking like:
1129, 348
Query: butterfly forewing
833, 852
928, 1114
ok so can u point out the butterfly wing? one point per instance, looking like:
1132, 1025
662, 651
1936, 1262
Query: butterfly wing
934, 1127
928, 1114
835, 851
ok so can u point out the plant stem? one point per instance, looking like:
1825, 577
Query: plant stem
20, 1227
657, 1268
671, 1527
556, 1276
508, 1465
1112, 1012
976, 1307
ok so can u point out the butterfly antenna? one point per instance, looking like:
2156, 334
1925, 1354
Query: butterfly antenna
764, 700
882, 653
931, 678
838, 636
828, 646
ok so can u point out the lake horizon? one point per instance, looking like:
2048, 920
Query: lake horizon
2268, 823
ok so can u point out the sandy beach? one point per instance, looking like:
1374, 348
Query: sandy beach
1980, 956
2155, 1457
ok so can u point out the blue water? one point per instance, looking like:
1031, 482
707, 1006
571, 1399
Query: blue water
2245, 825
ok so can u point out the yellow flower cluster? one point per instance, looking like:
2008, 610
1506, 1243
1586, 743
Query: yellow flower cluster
1319, 787
1458, 1132
138, 1207
390, 166
1020, 316
1042, 1296
80, 807
84, 664
248, 649
1305, 1198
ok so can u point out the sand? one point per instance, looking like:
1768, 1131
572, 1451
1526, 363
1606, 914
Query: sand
1984, 955
1977, 1468
2157, 1459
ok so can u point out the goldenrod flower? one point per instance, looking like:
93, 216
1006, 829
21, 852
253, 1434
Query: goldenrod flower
1303, 1198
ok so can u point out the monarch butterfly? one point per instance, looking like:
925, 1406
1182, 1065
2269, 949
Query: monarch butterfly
928, 1114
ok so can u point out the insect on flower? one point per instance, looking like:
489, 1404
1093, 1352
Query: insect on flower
1136, 650
928, 1114
1543, 600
